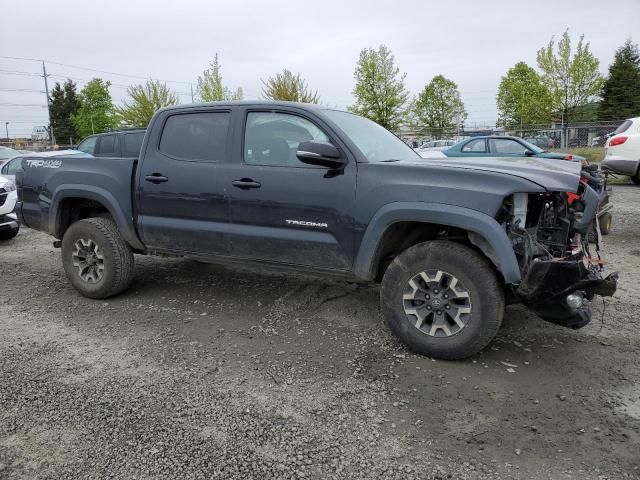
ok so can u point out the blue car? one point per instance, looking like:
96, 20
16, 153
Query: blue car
503, 146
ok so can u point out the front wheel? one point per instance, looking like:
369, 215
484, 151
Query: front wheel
97, 260
442, 299
9, 234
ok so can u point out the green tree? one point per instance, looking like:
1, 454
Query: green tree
288, 87
573, 79
146, 100
210, 86
621, 92
523, 99
96, 113
439, 106
63, 104
380, 91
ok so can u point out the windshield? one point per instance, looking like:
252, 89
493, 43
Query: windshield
376, 143
6, 152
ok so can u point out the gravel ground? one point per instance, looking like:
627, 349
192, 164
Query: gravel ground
202, 371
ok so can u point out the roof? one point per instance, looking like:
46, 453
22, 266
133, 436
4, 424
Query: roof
253, 103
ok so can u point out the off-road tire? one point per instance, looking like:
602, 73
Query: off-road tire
472, 270
9, 234
117, 257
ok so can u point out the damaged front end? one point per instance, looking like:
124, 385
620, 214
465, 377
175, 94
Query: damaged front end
550, 235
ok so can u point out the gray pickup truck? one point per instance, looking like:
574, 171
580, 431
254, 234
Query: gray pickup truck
320, 190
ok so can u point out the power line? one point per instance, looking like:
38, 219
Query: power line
27, 90
106, 72
4, 104
19, 72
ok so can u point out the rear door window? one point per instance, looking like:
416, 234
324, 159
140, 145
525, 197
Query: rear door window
196, 136
475, 146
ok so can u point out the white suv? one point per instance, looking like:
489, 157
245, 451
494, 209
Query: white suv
622, 150
8, 223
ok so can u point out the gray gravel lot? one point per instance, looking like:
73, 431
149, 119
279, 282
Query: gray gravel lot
202, 371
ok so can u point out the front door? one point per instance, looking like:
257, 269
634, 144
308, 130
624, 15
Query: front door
283, 210
182, 183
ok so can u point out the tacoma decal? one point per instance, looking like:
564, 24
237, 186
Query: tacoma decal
307, 224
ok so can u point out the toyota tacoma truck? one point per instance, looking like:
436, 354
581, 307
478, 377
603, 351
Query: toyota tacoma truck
316, 189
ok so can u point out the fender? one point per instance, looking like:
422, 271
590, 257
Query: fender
503, 256
97, 194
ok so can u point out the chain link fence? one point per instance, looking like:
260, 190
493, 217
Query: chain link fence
547, 136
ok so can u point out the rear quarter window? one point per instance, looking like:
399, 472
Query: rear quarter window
623, 127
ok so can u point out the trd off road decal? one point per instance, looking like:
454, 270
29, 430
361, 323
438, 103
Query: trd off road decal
42, 163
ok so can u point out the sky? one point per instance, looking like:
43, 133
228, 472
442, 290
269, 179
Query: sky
472, 43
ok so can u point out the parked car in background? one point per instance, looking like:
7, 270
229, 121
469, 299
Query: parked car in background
9, 226
429, 153
622, 150
436, 145
601, 140
117, 144
6, 153
503, 146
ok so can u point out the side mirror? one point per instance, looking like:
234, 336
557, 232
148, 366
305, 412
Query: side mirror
317, 153
529, 153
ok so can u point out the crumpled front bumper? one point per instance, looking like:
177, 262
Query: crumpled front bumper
548, 283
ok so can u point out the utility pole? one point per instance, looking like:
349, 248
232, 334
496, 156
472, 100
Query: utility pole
46, 91
192, 100
6, 127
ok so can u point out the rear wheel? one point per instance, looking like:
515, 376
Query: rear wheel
442, 299
96, 259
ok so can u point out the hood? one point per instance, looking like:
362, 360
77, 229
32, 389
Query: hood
552, 176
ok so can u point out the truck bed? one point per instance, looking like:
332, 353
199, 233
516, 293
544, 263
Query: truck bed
45, 182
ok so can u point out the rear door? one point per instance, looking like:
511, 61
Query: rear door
283, 210
182, 182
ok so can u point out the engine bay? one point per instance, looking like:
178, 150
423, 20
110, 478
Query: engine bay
553, 235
